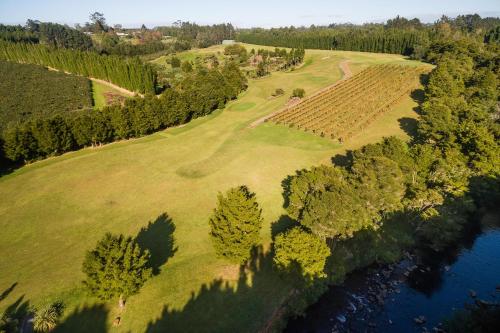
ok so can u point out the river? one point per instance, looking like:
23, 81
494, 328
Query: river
432, 290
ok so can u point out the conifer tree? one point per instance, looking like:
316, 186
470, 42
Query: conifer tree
117, 267
235, 224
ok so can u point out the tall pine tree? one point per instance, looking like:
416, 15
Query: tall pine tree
117, 267
235, 224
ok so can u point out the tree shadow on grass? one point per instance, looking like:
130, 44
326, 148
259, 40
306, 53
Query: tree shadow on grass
284, 223
343, 160
85, 319
7, 167
19, 308
418, 95
409, 126
14, 314
7, 291
221, 307
158, 238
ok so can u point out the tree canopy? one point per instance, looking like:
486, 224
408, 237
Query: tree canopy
235, 224
301, 252
117, 267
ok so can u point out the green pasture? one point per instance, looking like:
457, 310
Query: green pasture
54, 210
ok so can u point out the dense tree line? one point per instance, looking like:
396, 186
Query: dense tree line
128, 73
197, 95
493, 36
30, 91
131, 50
17, 34
373, 39
398, 35
199, 35
52, 34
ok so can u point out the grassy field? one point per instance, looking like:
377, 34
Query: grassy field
52, 211
98, 91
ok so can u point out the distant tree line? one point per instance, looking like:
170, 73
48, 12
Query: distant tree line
370, 39
128, 73
198, 94
51, 34
398, 35
132, 50
199, 35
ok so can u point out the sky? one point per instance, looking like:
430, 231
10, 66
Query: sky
243, 14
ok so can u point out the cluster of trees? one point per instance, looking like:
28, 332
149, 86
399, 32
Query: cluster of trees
235, 230
493, 36
277, 59
336, 202
389, 195
17, 34
434, 180
198, 94
29, 91
398, 35
282, 57
298, 92
131, 50
236, 52
129, 73
52, 34
199, 35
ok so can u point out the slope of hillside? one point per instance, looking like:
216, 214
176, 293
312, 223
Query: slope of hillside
28, 91
52, 211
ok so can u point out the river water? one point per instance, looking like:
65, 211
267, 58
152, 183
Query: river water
438, 286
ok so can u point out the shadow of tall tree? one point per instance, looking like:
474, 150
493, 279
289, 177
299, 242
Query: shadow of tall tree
408, 125
158, 238
7, 291
221, 307
283, 223
14, 314
85, 319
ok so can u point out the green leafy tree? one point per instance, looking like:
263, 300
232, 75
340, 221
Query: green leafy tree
235, 224
117, 267
324, 201
379, 183
261, 69
299, 92
98, 21
298, 250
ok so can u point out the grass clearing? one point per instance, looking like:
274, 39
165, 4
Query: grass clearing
52, 211
99, 91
